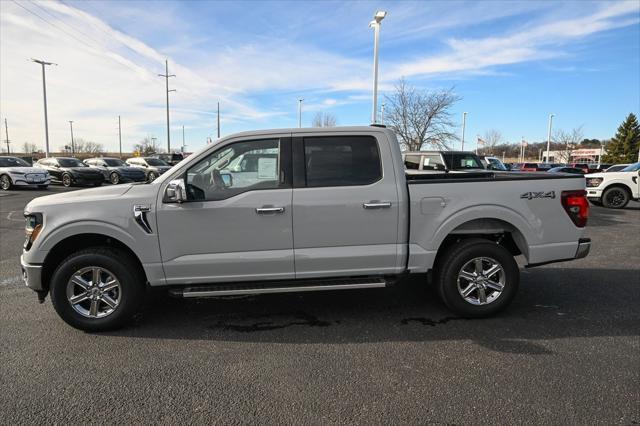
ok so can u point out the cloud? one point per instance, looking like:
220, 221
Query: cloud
540, 42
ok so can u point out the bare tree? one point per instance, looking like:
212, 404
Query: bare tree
421, 117
568, 140
324, 119
147, 146
29, 147
492, 137
88, 147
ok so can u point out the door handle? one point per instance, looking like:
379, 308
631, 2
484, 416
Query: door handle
376, 205
267, 210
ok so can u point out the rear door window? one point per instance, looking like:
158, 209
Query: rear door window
341, 161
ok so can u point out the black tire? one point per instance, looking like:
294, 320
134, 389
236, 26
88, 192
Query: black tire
130, 296
151, 176
43, 186
615, 197
66, 180
114, 178
595, 202
5, 183
463, 253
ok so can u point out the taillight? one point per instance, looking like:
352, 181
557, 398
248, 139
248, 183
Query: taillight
576, 205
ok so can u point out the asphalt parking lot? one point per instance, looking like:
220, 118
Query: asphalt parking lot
567, 350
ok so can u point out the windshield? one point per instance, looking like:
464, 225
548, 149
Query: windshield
70, 162
13, 162
155, 162
497, 164
632, 168
462, 161
114, 162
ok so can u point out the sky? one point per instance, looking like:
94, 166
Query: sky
511, 63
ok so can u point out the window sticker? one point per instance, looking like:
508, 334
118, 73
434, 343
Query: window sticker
267, 168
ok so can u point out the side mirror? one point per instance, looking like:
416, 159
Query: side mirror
175, 192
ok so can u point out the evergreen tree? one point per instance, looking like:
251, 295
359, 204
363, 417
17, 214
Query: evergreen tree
624, 146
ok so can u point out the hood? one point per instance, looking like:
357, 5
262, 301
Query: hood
80, 196
25, 170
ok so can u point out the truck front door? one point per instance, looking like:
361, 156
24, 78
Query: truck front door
235, 225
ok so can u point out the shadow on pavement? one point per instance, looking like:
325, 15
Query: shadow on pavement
553, 303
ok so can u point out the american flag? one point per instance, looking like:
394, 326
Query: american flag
481, 141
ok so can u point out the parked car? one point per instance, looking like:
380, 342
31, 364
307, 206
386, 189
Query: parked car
614, 189
615, 168
334, 210
70, 171
493, 163
171, 159
442, 160
583, 166
115, 170
152, 167
566, 170
525, 167
15, 171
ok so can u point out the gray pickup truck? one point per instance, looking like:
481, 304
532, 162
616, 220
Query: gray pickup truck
303, 210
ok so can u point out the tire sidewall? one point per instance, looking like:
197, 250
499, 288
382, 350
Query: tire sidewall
605, 202
131, 288
70, 181
461, 254
151, 177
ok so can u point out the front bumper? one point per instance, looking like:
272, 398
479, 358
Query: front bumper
31, 275
594, 193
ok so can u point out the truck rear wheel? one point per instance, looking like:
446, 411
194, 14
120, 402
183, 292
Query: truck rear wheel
477, 278
97, 289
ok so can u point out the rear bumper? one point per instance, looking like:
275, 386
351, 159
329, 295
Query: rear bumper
31, 275
584, 246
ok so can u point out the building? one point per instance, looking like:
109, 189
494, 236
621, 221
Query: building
582, 155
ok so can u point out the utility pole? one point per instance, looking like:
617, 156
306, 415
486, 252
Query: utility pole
464, 125
218, 120
6, 132
382, 114
300, 112
119, 137
44, 91
549, 137
166, 76
182, 150
73, 147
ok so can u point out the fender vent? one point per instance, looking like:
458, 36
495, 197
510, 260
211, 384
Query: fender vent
140, 215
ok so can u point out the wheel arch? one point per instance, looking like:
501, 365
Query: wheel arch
74, 243
622, 185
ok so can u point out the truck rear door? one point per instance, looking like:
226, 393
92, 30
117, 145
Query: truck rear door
345, 206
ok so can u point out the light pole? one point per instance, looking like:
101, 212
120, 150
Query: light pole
119, 137
218, 120
549, 137
44, 91
73, 147
300, 112
382, 113
375, 24
464, 125
166, 76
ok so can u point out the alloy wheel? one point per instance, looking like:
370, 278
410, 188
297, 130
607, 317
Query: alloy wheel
481, 281
5, 182
615, 197
94, 292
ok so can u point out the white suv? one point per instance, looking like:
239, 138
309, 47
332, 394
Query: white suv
614, 189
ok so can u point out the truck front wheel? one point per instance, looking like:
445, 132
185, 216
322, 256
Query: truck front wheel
477, 278
97, 289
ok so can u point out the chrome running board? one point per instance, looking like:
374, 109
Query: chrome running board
237, 289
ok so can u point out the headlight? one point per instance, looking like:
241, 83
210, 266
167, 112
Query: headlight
593, 182
32, 228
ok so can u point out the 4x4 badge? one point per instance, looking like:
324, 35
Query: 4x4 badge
532, 195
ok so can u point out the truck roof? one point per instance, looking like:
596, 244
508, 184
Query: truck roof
307, 130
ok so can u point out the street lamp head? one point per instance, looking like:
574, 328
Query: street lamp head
379, 16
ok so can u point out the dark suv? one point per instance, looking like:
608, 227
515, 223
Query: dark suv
115, 170
70, 171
